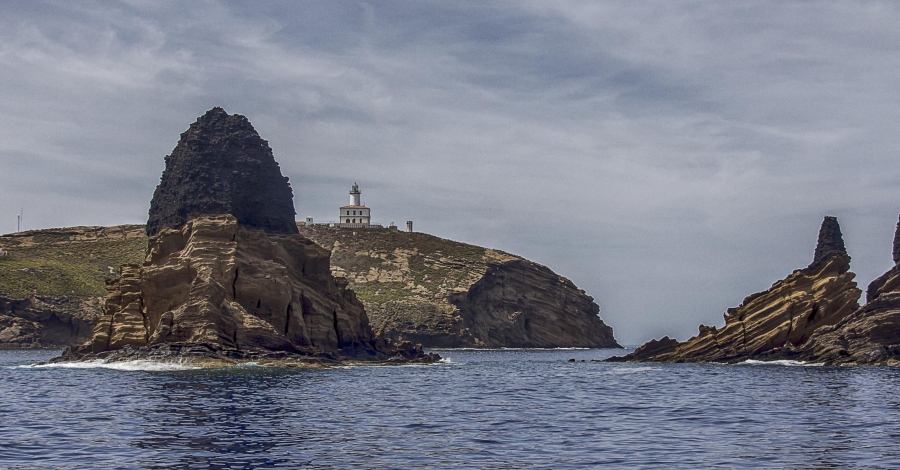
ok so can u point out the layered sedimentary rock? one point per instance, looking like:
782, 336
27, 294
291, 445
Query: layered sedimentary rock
870, 335
218, 283
222, 166
441, 293
52, 281
223, 279
777, 321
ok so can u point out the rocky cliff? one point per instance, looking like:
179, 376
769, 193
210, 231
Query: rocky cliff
52, 283
773, 323
441, 293
223, 279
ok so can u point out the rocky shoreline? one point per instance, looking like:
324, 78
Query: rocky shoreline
211, 356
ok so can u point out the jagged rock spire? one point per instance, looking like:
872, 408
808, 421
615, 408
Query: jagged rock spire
222, 166
897, 244
830, 240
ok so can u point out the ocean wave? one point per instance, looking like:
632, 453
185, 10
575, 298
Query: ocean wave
780, 362
141, 365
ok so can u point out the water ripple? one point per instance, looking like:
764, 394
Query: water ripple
482, 409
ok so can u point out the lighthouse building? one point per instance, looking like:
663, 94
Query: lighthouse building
355, 213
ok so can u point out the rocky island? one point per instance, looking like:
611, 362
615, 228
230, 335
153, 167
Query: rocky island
812, 315
226, 277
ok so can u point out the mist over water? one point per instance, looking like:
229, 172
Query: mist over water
477, 409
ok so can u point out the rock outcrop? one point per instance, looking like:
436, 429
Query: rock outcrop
218, 283
441, 293
830, 242
223, 278
868, 336
222, 166
773, 323
897, 244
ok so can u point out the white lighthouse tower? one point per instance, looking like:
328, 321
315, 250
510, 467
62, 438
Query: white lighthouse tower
355, 213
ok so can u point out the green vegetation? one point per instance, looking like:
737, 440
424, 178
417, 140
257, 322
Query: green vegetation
52, 263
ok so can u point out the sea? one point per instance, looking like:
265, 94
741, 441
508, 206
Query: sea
491, 409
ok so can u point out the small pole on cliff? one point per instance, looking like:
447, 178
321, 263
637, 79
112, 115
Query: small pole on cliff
19, 220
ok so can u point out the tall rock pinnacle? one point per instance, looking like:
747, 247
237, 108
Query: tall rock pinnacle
897, 244
222, 166
830, 240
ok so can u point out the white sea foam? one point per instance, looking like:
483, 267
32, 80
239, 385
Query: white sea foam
130, 366
631, 370
249, 364
780, 362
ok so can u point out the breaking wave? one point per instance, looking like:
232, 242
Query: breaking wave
780, 362
141, 365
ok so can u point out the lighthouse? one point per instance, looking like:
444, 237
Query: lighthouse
355, 213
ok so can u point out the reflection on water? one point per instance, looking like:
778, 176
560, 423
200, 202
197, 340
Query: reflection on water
482, 409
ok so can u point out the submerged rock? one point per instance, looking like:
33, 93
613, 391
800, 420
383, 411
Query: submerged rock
223, 277
776, 321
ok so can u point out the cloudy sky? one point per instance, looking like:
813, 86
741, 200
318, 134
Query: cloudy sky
668, 157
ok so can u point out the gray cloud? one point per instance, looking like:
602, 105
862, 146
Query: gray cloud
668, 157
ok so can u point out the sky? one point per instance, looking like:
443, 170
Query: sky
669, 157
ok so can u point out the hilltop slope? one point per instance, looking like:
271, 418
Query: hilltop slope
442, 293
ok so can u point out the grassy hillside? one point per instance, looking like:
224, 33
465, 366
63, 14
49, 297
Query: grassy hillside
73, 262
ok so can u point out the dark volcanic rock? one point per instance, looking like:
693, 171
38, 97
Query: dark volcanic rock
830, 240
897, 244
222, 166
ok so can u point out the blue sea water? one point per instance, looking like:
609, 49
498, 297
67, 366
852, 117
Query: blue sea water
478, 409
